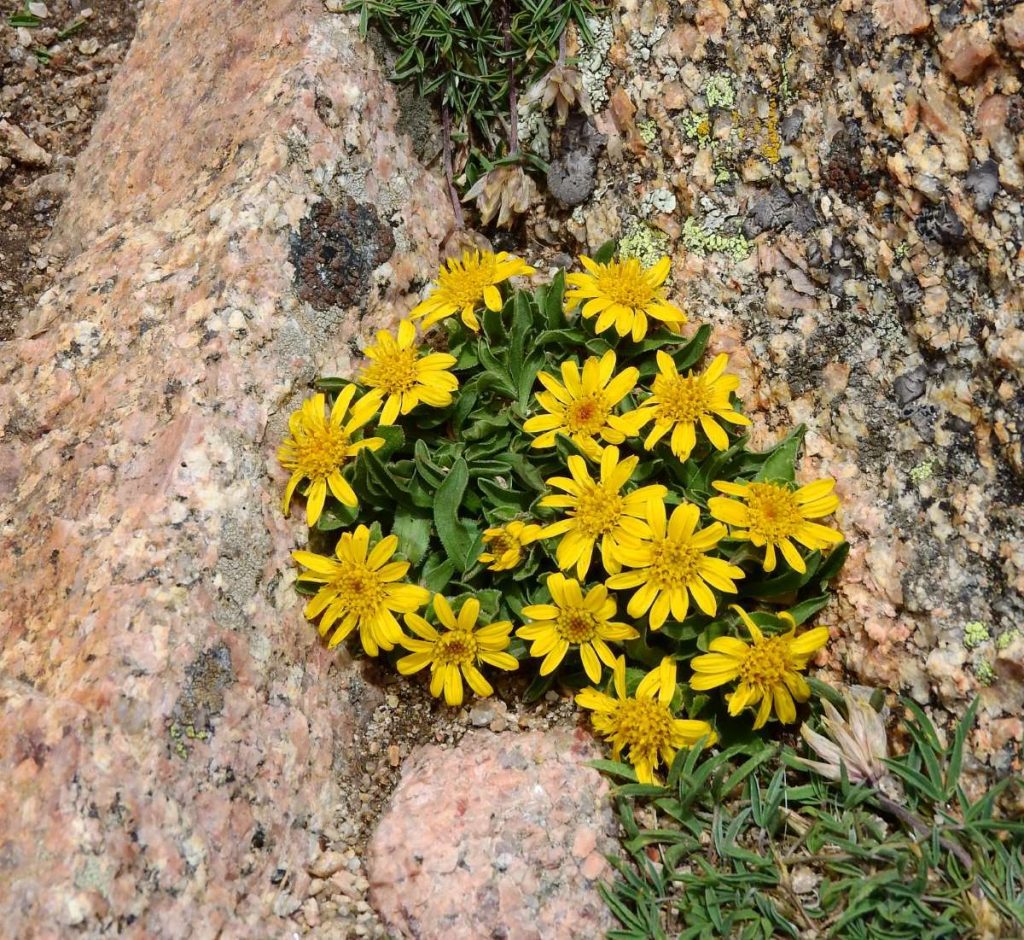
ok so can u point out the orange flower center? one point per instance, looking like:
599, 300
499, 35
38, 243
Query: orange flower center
767, 662
644, 724
774, 512
624, 283
359, 588
318, 451
587, 415
681, 399
598, 510
457, 648
462, 285
673, 563
576, 625
394, 371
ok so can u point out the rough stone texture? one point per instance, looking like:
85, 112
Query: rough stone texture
173, 736
899, 136
501, 836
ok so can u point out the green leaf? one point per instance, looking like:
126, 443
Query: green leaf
437, 572
335, 516
606, 252
552, 302
453, 533
803, 611
780, 465
413, 534
956, 752
396, 490
833, 562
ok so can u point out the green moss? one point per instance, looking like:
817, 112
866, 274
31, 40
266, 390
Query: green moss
700, 241
984, 672
644, 243
719, 91
975, 633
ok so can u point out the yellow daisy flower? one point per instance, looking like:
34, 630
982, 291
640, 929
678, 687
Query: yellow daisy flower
320, 446
679, 402
462, 286
623, 294
361, 590
598, 511
644, 725
398, 371
673, 565
505, 545
582, 408
454, 654
771, 514
574, 620
768, 669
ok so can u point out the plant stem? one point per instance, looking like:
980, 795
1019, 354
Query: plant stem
513, 107
446, 122
922, 828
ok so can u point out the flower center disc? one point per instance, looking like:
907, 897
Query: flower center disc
766, 663
644, 723
625, 284
576, 625
321, 451
598, 511
456, 648
464, 286
587, 415
359, 589
503, 543
774, 513
681, 398
395, 372
673, 564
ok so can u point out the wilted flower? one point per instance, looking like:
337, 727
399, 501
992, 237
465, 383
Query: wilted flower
561, 87
505, 191
857, 742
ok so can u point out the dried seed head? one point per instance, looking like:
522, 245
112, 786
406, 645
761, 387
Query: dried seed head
859, 742
562, 88
506, 191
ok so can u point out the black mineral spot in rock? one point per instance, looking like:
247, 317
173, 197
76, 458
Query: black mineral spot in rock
910, 386
983, 182
941, 224
202, 696
336, 250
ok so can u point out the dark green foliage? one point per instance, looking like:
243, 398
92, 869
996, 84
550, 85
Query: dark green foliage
454, 53
736, 834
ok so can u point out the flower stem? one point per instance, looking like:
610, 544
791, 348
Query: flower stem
513, 107
922, 828
446, 123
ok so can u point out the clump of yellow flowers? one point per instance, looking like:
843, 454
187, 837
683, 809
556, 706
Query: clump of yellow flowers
547, 481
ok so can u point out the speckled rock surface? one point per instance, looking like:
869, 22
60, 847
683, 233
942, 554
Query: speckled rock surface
500, 836
840, 186
174, 739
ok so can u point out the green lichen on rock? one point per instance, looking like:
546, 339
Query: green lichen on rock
696, 127
923, 471
719, 91
648, 131
644, 243
1005, 640
975, 633
702, 242
984, 672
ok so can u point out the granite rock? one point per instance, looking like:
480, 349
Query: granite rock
500, 836
174, 737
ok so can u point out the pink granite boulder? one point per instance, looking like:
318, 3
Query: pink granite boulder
173, 733
502, 836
